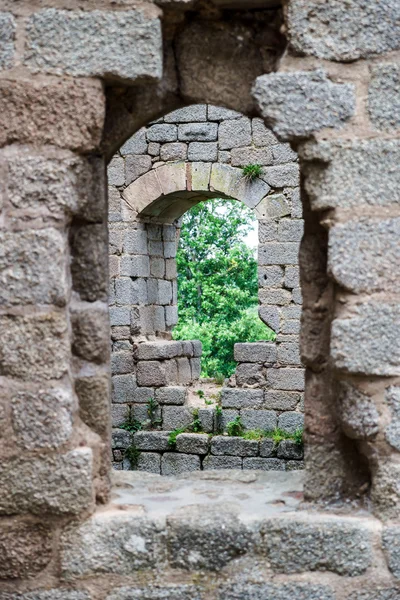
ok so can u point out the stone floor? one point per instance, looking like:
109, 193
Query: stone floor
261, 493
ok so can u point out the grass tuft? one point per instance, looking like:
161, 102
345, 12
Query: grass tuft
251, 172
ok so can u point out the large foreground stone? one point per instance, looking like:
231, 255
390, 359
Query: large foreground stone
58, 485
109, 44
25, 549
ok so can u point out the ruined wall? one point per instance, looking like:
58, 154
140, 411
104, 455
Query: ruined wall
345, 121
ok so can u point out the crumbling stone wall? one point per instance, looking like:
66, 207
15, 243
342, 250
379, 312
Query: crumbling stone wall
54, 97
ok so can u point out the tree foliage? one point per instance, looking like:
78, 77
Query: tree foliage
217, 283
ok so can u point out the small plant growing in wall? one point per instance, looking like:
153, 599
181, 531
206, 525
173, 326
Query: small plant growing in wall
196, 425
152, 407
235, 427
174, 434
218, 419
131, 424
132, 454
251, 172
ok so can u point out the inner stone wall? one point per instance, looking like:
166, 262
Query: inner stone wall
190, 155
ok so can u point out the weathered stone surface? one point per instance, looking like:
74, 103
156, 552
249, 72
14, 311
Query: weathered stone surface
290, 450
150, 462
198, 132
206, 540
392, 431
270, 276
290, 231
281, 176
249, 155
250, 374
91, 334
275, 591
176, 416
391, 546
286, 379
171, 395
270, 316
89, 264
192, 443
152, 373
327, 31
206, 417
385, 492
7, 37
364, 255
42, 418
121, 362
234, 134
94, 402
25, 549
162, 133
116, 171
203, 151
289, 422
173, 463
189, 114
121, 438
258, 419
262, 352
332, 545
367, 341
177, 592
53, 485
135, 166
152, 440
241, 398
136, 144
274, 253
173, 151
108, 542
65, 113
109, 44
34, 347
160, 350
289, 354
359, 416
214, 463
33, 268
298, 104
281, 400
268, 448
233, 446
263, 464
366, 169
383, 100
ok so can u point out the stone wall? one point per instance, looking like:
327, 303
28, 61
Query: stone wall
190, 155
69, 97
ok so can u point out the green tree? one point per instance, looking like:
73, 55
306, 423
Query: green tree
217, 283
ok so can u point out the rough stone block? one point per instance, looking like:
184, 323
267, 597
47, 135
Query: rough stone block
206, 417
26, 549
195, 367
282, 153
64, 113
184, 370
289, 354
267, 448
270, 276
338, 546
281, 176
292, 277
171, 395
142, 395
203, 151
241, 398
234, 133
392, 431
281, 400
298, 104
32, 267
240, 157
198, 132
58, 485
173, 151
366, 169
363, 341
152, 440
201, 173
108, 542
383, 101
121, 439
150, 462
364, 255
289, 422
121, 362
152, 373
258, 419
128, 291
290, 450
206, 540
326, 31
262, 136
162, 133
135, 266
135, 166
116, 171
213, 463
359, 416
264, 464
274, 253
233, 446
123, 387
136, 144
295, 465
91, 334
218, 113
277, 297
157, 267
267, 229
158, 350
270, 316
7, 36
192, 443
175, 417
94, 402
34, 347
286, 379
171, 316
250, 374
290, 231
188, 114
173, 463
279, 591
42, 418
85, 44
274, 206
153, 149
89, 263
119, 414
262, 352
